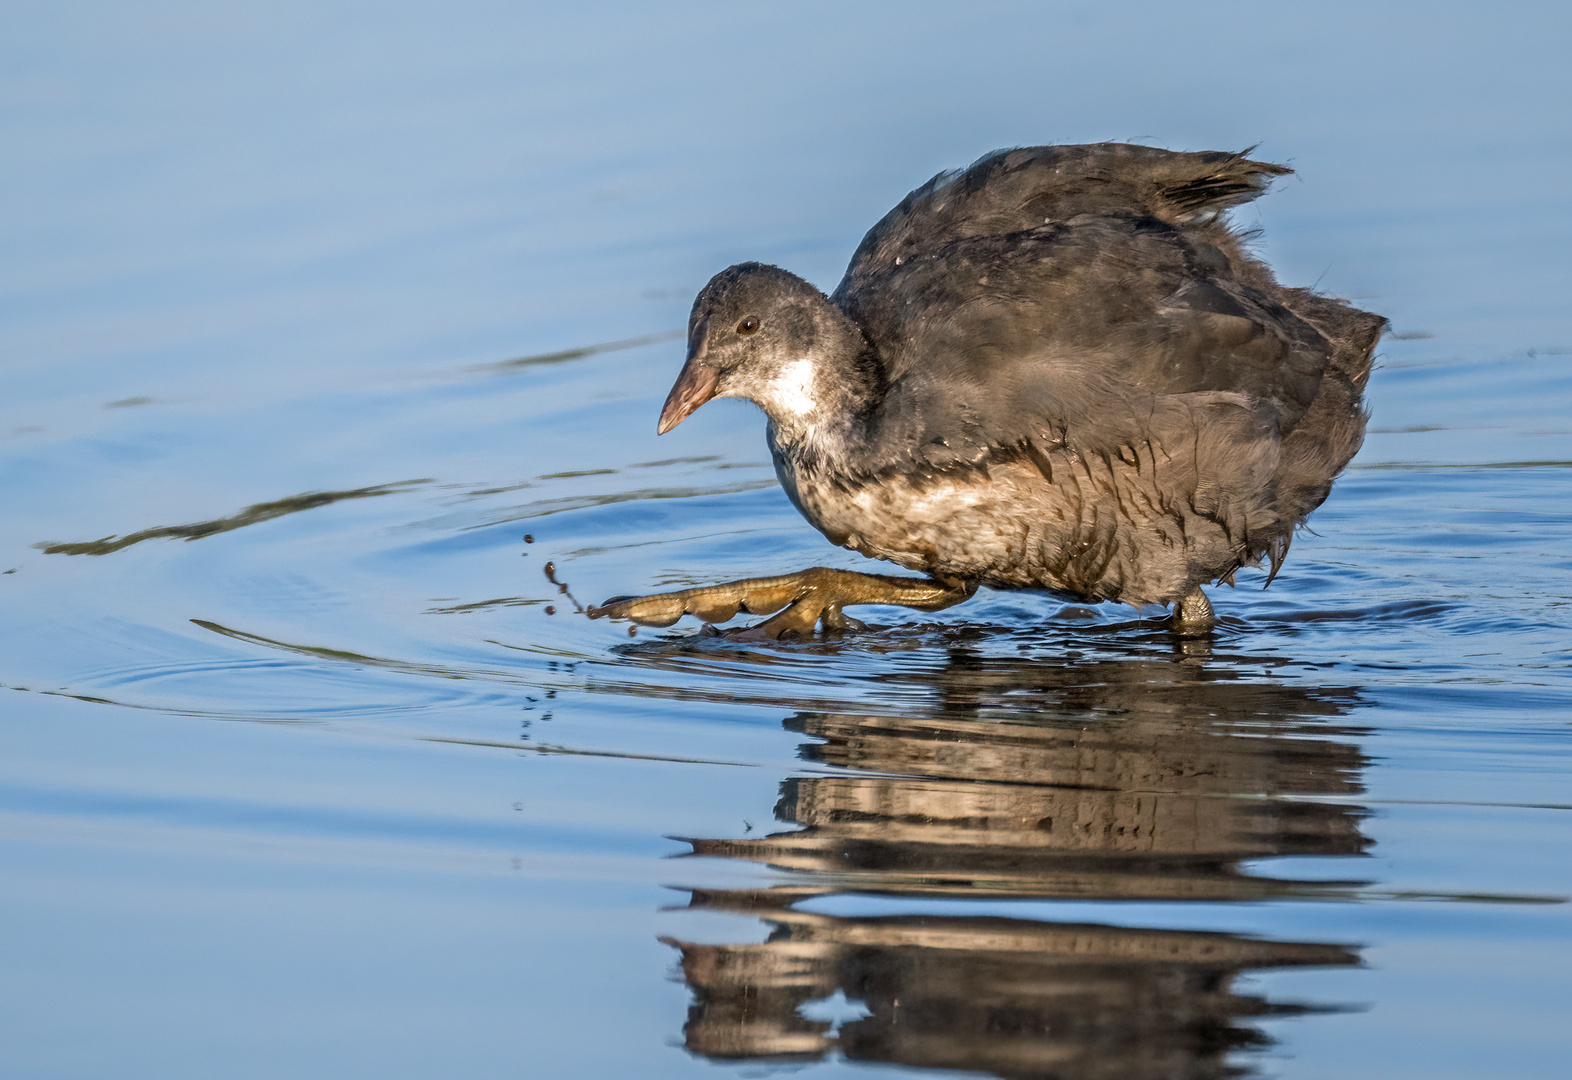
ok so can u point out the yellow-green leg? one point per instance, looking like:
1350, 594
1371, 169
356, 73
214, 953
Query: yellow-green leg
1193, 616
803, 600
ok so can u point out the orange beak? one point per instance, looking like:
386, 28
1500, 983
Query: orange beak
694, 386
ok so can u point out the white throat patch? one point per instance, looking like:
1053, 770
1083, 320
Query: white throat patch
792, 389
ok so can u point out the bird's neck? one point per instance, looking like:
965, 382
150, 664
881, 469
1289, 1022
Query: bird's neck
818, 403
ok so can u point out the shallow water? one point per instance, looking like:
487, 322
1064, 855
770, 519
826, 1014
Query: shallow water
329, 332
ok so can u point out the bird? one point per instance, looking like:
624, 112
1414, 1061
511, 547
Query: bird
1061, 368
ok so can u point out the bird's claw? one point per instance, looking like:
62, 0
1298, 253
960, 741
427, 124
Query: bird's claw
796, 603
712, 604
661, 609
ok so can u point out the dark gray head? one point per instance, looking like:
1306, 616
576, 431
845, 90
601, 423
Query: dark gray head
761, 333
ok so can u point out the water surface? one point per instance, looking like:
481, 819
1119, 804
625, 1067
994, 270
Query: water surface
327, 330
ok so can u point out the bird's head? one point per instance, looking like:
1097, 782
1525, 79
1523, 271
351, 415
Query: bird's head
761, 333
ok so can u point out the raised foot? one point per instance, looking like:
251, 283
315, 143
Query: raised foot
797, 602
1193, 616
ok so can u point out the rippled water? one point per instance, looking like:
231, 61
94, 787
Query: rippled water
328, 334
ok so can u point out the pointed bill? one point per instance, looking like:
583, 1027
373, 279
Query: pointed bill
695, 383
693, 388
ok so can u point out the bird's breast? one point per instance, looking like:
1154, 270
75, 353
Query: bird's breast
965, 524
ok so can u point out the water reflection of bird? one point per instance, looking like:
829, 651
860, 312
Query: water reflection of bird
1129, 779
1159, 803
1144, 779
1016, 998
1057, 369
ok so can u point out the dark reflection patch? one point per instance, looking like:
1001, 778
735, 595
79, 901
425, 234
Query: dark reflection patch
251, 515
1158, 779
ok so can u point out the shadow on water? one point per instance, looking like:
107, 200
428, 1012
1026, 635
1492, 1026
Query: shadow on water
1149, 778
561, 356
251, 515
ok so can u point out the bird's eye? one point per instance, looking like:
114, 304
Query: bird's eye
748, 325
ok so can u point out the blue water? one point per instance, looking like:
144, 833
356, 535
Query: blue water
308, 769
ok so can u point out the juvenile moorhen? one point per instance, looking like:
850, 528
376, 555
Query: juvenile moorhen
1057, 369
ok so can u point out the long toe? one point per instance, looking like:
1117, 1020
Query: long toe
1193, 616
711, 603
834, 618
803, 600
798, 620
662, 609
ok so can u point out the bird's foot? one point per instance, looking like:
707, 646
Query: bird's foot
796, 602
1193, 616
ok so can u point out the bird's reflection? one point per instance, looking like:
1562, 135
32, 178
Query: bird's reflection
1150, 778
